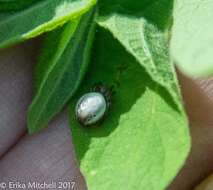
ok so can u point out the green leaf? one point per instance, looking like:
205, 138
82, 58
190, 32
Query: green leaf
192, 39
14, 5
41, 17
144, 30
143, 141
60, 70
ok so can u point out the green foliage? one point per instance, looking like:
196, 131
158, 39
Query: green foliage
14, 5
61, 67
144, 34
143, 141
41, 17
192, 39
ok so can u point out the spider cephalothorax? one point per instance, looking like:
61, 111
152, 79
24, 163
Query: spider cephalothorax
92, 107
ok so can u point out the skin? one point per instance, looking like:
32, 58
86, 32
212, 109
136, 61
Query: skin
49, 155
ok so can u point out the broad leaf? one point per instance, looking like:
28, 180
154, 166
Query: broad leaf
143, 141
41, 17
192, 39
62, 66
14, 5
143, 31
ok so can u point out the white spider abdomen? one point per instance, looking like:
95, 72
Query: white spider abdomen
91, 108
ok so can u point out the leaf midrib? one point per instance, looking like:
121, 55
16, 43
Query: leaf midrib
60, 48
59, 78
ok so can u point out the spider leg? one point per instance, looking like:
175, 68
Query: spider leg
103, 89
97, 86
112, 90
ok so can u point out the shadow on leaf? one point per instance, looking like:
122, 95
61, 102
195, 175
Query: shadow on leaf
112, 65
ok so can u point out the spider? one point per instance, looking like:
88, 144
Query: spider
93, 106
